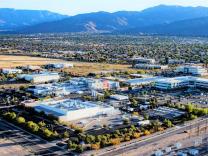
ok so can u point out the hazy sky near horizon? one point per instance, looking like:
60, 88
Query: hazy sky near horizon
73, 7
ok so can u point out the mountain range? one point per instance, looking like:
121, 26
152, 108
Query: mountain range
162, 20
12, 19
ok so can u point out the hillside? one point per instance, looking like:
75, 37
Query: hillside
191, 27
11, 19
119, 21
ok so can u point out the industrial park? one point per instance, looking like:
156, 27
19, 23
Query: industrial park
89, 107
103, 78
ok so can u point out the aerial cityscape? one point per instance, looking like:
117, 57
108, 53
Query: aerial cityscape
104, 79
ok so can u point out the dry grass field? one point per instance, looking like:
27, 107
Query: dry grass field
80, 68
7, 61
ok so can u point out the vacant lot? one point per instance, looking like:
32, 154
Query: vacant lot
7, 61
81, 68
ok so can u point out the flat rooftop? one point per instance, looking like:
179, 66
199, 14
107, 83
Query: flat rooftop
61, 107
143, 80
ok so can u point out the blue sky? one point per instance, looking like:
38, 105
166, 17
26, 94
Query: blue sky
72, 7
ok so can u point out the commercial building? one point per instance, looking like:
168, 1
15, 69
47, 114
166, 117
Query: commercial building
32, 68
194, 70
54, 89
181, 82
142, 81
71, 109
141, 75
60, 65
40, 77
143, 60
11, 71
96, 84
119, 97
150, 66
175, 61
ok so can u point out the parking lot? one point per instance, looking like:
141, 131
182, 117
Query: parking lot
21, 140
185, 96
96, 123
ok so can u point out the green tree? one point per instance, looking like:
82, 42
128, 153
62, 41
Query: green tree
10, 115
20, 120
189, 108
47, 133
66, 134
79, 149
33, 126
168, 123
41, 124
156, 125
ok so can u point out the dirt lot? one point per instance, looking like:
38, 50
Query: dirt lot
80, 68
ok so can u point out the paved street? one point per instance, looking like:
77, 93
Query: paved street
125, 147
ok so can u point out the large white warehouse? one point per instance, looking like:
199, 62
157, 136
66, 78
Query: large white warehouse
41, 77
71, 109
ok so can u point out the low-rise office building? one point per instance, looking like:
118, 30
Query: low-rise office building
193, 70
175, 61
40, 77
54, 89
32, 68
150, 66
60, 65
181, 82
142, 81
96, 84
119, 97
142, 60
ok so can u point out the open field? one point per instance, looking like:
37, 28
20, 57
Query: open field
8, 61
80, 68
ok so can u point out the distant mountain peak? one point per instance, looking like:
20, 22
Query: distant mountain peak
147, 21
15, 18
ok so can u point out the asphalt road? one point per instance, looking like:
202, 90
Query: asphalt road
34, 144
125, 148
